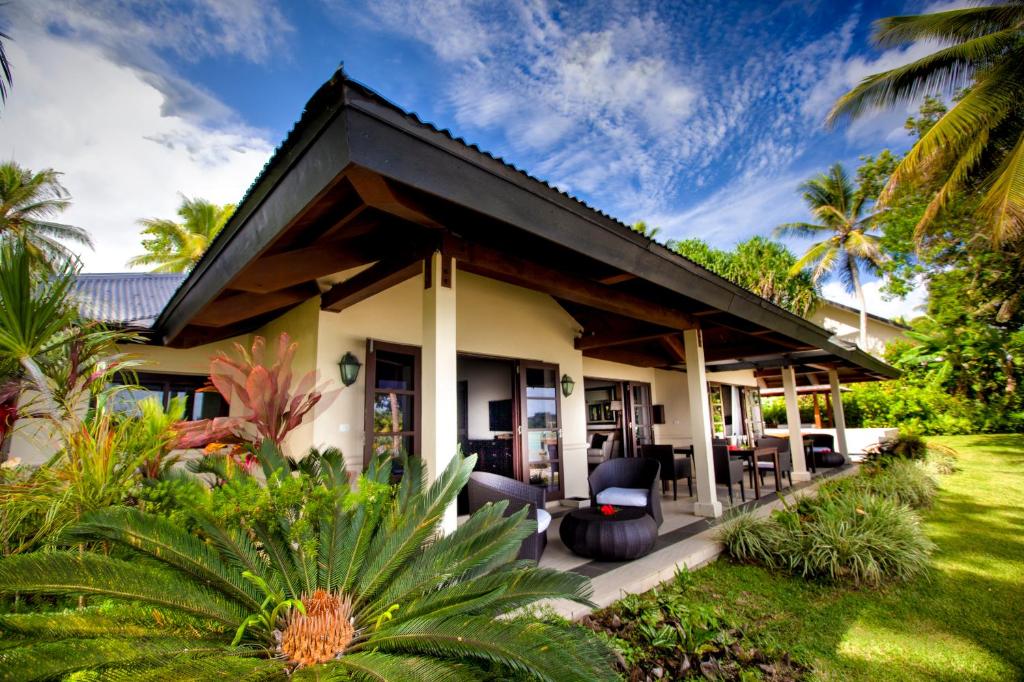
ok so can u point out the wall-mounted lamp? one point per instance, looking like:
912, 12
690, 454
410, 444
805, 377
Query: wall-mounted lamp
349, 366
567, 385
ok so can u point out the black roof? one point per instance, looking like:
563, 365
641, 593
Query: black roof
125, 298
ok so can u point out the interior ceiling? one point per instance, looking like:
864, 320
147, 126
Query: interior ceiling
363, 221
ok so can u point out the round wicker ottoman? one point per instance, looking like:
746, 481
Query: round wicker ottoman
628, 534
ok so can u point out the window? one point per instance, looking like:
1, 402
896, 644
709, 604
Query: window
392, 400
202, 401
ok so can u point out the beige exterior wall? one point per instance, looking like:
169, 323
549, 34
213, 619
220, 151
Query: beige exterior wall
846, 325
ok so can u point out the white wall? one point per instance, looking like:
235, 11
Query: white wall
846, 325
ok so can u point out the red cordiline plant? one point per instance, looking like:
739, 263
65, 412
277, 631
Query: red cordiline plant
273, 406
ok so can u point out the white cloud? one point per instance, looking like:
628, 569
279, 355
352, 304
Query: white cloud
124, 157
140, 35
907, 308
744, 208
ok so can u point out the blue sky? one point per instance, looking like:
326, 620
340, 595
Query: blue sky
701, 118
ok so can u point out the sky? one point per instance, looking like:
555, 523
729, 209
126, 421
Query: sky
699, 118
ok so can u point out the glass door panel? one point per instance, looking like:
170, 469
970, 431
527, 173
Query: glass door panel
640, 426
541, 427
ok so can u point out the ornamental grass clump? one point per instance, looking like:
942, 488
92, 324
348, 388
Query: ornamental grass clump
859, 531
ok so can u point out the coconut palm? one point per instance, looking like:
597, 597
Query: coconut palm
28, 202
980, 141
331, 590
176, 247
849, 247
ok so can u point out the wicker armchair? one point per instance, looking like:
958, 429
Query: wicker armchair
484, 487
672, 468
631, 474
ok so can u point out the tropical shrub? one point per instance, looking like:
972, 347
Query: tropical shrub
273, 405
305, 591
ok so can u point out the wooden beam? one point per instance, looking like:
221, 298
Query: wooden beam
243, 305
375, 191
628, 357
617, 279
495, 264
605, 340
289, 268
675, 346
370, 282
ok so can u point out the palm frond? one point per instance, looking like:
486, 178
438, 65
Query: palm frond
979, 111
486, 539
967, 161
165, 542
547, 652
51, 660
945, 70
281, 559
956, 25
1004, 200
210, 668
498, 593
63, 573
378, 667
238, 550
79, 623
408, 528
800, 230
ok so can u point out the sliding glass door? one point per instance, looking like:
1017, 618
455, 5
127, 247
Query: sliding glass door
541, 427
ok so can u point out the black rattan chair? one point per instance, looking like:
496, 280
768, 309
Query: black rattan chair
728, 470
672, 468
631, 474
785, 458
485, 487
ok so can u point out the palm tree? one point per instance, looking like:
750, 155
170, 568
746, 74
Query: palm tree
176, 247
980, 141
332, 587
850, 246
28, 201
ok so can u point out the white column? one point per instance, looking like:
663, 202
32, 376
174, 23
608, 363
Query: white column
796, 440
440, 421
700, 425
837, 411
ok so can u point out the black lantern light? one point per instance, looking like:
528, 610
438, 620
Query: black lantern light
567, 385
349, 366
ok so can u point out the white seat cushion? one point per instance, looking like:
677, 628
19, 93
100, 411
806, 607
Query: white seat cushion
543, 520
623, 497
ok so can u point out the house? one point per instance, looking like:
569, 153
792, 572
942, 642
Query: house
485, 308
844, 321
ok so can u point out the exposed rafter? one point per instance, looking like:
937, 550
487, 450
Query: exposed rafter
371, 282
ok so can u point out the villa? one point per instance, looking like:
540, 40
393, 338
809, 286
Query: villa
467, 303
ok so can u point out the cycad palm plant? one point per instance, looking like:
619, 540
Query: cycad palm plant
980, 141
176, 247
849, 246
28, 203
328, 590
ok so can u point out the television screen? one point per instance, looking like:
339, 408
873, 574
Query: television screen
500, 412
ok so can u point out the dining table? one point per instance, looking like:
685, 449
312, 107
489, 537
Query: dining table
755, 455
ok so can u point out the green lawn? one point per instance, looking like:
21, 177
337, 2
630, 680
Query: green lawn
965, 621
